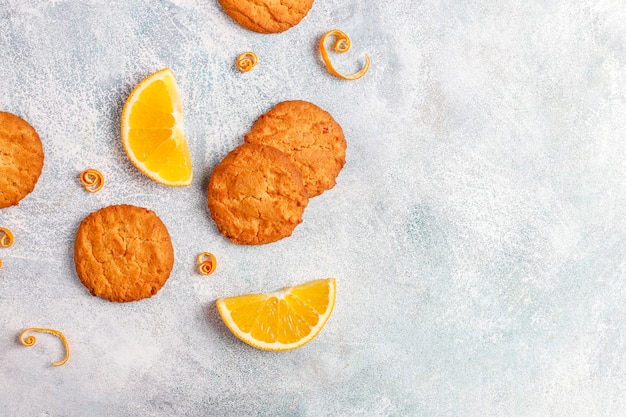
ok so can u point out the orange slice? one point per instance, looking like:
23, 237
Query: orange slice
152, 130
281, 320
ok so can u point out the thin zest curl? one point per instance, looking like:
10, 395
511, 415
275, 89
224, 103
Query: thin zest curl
31, 340
342, 45
207, 263
92, 180
247, 61
6, 238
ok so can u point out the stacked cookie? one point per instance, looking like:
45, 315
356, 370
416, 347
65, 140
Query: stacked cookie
259, 191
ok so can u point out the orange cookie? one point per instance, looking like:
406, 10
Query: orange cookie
311, 138
123, 253
21, 159
267, 16
256, 195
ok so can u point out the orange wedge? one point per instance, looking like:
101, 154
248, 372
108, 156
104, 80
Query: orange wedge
152, 130
281, 320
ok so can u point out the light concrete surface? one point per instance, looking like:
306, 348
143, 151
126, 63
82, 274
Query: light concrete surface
477, 231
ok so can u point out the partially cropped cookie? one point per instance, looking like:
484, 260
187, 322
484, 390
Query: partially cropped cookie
267, 16
123, 253
256, 195
311, 138
21, 159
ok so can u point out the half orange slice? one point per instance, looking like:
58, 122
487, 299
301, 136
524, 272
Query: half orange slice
281, 320
152, 130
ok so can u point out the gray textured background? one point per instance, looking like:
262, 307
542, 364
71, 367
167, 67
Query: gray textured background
477, 231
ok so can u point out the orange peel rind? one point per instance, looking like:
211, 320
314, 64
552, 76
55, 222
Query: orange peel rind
207, 263
31, 340
342, 45
247, 61
6, 238
92, 180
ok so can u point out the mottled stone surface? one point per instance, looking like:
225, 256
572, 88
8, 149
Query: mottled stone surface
477, 231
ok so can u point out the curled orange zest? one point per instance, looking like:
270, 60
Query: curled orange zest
206, 266
341, 45
6, 237
247, 61
92, 180
31, 340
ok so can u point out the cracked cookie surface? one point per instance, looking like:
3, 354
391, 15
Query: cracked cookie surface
256, 195
267, 16
311, 138
123, 253
21, 159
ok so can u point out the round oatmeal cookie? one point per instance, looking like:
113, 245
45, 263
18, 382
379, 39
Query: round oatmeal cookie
256, 195
123, 253
267, 16
311, 138
21, 159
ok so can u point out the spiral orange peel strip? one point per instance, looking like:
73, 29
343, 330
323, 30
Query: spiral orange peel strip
92, 180
342, 44
247, 61
31, 340
6, 237
206, 266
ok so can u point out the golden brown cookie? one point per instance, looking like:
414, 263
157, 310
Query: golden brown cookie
256, 195
267, 16
123, 253
21, 159
311, 138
